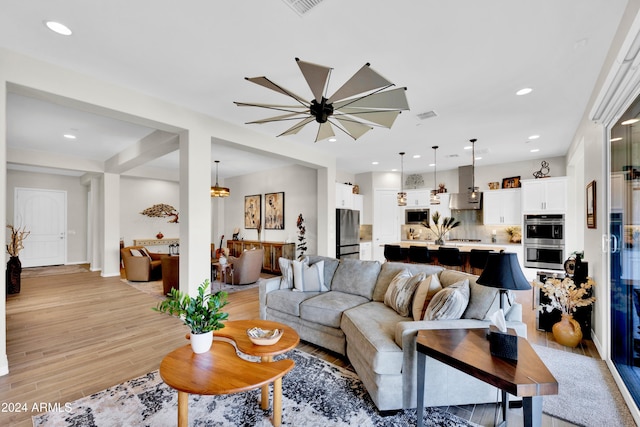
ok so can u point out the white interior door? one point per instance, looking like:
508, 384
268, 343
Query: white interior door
386, 227
44, 214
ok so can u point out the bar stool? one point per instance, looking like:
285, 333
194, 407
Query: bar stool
395, 253
419, 254
478, 260
450, 258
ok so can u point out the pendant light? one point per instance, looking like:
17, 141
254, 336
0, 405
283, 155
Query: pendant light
474, 197
217, 191
435, 198
402, 196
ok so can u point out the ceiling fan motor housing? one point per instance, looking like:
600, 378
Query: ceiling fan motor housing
321, 111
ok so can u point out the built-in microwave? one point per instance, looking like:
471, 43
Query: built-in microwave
544, 230
416, 216
551, 257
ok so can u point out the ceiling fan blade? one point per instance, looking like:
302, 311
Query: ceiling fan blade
353, 128
324, 131
296, 128
389, 99
364, 80
265, 82
383, 118
289, 108
317, 77
276, 118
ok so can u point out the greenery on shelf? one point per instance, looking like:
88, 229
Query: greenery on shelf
202, 313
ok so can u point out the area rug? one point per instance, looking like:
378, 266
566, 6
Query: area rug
53, 270
155, 288
315, 393
588, 395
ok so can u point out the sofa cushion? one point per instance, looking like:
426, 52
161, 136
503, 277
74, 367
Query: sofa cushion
308, 278
356, 277
484, 301
426, 290
136, 252
327, 308
389, 270
449, 303
287, 301
400, 292
330, 266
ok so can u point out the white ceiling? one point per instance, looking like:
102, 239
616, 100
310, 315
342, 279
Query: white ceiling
462, 59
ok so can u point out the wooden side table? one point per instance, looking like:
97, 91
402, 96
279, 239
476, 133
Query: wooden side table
467, 350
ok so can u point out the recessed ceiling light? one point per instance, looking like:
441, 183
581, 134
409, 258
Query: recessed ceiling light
524, 91
394, 170
534, 137
58, 28
478, 158
630, 122
432, 164
534, 150
468, 147
332, 139
375, 163
69, 136
416, 156
616, 139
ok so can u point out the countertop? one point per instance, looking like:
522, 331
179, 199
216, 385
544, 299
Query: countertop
463, 246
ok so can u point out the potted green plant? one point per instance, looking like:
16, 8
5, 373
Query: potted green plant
202, 314
448, 223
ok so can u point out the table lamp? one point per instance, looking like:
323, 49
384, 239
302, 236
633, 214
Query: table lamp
503, 272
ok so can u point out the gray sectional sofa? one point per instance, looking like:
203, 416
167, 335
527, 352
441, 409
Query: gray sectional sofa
352, 319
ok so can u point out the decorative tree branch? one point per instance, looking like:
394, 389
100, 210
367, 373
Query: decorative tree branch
17, 237
302, 240
162, 211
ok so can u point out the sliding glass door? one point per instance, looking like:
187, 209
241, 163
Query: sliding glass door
624, 247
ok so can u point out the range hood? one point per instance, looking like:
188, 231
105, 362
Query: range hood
460, 200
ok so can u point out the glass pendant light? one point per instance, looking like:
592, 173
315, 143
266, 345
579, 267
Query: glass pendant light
217, 191
435, 198
402, 196
474, 197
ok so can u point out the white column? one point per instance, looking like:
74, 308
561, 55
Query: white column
195, 209
4, 362
94, 229
111, 225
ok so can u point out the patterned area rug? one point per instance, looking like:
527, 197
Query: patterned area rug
315, 393
155, 289
53, 270
588, 395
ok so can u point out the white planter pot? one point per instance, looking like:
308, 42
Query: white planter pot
201, 343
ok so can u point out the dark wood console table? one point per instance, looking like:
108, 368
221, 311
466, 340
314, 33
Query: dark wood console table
468, 351
272, 252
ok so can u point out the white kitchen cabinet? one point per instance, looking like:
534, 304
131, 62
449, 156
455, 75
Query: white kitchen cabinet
358, 204
443, 207
344, 196
366, 251
418, 197
547, 195
502, 207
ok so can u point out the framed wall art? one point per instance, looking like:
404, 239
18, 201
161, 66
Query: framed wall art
252, 211
274, 211
513, 182
591, 205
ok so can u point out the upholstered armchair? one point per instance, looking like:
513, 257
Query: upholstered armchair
140, 265
246, 267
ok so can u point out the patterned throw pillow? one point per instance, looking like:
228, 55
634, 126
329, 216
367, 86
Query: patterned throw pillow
135, 252
427, 289
308, 278
400, 292
449, 303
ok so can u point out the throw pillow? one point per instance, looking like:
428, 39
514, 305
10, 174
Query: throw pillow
449, 303
400, 292
135, 252
308, 278
286, 268
426, 290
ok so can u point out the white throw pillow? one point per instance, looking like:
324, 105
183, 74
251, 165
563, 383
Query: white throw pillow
427, 289
449, 303
400, 292
135, 252
308, 278
286, 281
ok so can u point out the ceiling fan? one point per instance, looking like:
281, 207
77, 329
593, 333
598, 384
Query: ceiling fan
358, 105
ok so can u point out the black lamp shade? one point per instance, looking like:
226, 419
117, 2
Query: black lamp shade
503, 272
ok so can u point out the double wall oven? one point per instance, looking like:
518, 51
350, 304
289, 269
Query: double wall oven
544, 241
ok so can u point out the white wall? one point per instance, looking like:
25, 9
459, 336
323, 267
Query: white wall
299, 184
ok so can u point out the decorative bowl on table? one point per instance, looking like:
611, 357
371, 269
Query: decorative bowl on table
260, 336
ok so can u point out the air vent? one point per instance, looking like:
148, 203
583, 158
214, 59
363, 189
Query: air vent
452, 155
427, 115
301, 7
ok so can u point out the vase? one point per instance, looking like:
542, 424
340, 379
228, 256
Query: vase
159, 235
567, 331
14, 270
201, 343
439, 241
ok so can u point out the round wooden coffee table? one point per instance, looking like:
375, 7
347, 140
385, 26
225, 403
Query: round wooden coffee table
221, 371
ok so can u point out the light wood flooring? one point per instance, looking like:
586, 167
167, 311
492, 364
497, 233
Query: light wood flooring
72, 335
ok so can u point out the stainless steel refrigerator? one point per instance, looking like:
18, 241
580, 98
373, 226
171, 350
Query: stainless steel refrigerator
347, 233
